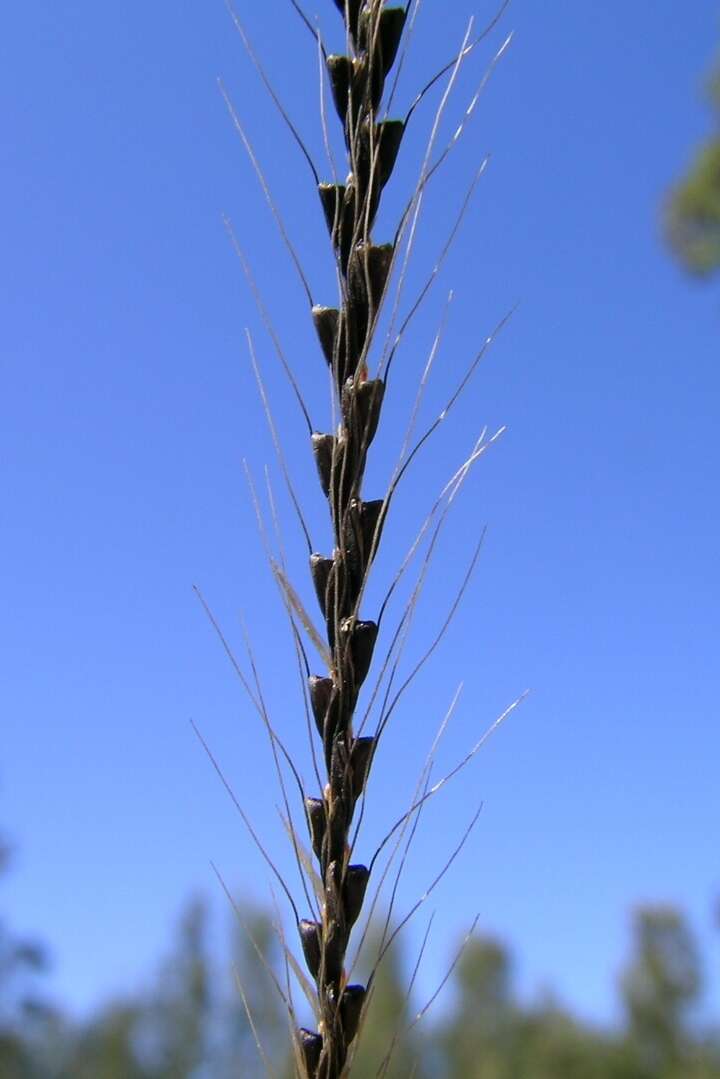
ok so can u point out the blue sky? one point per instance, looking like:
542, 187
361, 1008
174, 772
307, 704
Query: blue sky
129, 405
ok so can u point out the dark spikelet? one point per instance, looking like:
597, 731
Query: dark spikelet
321, 570
390, 30
324, 447
326, 321
338, 819
322, 692
373, 34
310, 936
368, 270
317, 823
361, 405
338, 203
361, 263
350, 10
339, 768
371, 524
389, 136
340, 70
360, 760
351, 1006
378, 259
332, 197
311, 1046
362, 534
354, 888
361, 637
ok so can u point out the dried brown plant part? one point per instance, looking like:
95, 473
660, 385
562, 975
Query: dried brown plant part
423, 381
246, 821
431, 887
453, 486
416, 801
385, 363
291, 601
364, 270
304, 18
266, 191
289, 962
347, 638
401, 867
330, 156
412, 13
271, 558
387, 942
228, 650
306, 858
296, 604
412, 212
246, 929
269, 87
277, 442
452, 401
450, 64
278, 771
389, 709
399, 1028
401, 634
251, 1022
403, 627
272, 733
301, 655
275, 742
267, 321
303, 981
287, 1001
494, 726
405, 460
447, 975
387, 1060
470, 109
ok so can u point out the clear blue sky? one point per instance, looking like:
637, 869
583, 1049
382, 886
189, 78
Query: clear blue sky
128, 406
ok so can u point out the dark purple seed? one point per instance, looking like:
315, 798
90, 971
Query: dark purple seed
388, 138
354, 888
392, 24
326, 320
320, 570
321, 696
340, 70
331, 197
361, 404
310, 940
360, 761
317, 823
351, 1006
323, 450
362, 643
311, 1049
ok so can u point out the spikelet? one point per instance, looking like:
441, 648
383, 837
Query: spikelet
373, 32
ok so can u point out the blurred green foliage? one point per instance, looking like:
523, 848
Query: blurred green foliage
692, 215
191, 1019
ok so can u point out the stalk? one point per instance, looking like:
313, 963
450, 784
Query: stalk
345, 333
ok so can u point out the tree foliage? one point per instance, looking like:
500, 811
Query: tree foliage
191, 1021
693, 210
